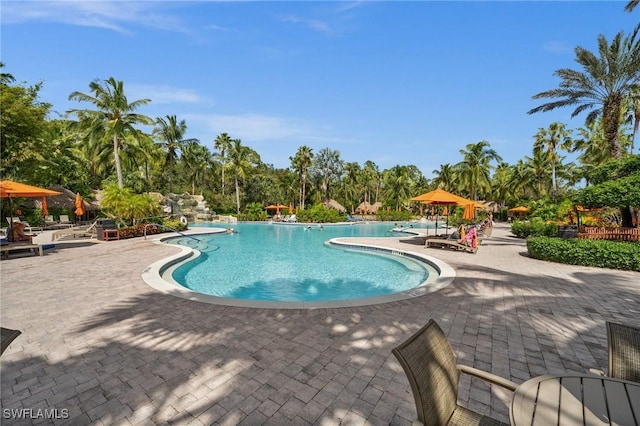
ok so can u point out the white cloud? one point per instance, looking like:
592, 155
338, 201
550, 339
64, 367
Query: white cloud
314, 24
163, 94
557, 47
111, 15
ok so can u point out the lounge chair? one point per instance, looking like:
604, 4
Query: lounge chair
77, 231
64, 220
429, 362
50, 222
451, 243
624, 351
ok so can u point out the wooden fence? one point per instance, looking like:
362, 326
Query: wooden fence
604, 233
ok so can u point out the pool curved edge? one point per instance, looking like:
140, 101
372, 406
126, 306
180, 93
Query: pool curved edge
153, 277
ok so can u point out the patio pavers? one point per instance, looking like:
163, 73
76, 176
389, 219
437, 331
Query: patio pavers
100, 343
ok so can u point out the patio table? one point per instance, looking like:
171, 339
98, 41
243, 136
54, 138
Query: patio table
576, 399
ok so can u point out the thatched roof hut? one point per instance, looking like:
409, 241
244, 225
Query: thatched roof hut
333, 204
375, 206
66, 200
364, 207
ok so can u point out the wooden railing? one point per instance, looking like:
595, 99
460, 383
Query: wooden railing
604, 233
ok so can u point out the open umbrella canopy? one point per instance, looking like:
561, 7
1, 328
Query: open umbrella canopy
15, 189
440, 196
276, 207
519, 209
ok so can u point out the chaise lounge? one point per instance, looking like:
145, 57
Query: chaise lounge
76, 231
451, 243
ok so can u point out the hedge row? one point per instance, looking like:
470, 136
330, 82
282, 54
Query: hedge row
575, 251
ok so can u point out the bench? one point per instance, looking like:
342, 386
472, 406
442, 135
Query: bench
6, 249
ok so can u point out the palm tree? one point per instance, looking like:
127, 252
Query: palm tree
170, 132
398, 184
301, 163
373, 179
241, 159
222, 143
603, 87
114, 117
196, 159
537, 169
445, 177
328, 166
475, 168
548, 141
631, 5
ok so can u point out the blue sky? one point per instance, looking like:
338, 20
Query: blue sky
391, 82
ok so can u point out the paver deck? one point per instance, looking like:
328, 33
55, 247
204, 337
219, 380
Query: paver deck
100, 343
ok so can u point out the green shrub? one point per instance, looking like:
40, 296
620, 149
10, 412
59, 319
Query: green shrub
536, 227
320, 214
575, 251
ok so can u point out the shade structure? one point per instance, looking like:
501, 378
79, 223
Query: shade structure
45, 208
519, 209
79, 205
469, 212
10, 189
333, 204
364, 207
276, 207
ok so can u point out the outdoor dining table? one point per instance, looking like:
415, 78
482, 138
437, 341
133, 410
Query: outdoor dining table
575, 399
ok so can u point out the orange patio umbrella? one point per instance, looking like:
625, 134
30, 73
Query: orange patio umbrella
45, 208
79, 205
469, 212
10, 189
276, 207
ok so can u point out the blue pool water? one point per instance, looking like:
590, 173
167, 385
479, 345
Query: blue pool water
273, 262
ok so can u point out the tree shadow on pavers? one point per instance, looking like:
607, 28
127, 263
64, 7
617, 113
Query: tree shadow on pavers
163, 359
167, 359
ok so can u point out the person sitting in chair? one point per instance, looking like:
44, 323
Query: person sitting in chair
16, 233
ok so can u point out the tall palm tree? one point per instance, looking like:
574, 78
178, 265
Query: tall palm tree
475, 168
301, 163
114, 117
241, 160
222, 143
328, 166
549, 141
603, 87
398, 184
373, 179
631, 5
445, 177
171, 132
196, 159
537, 169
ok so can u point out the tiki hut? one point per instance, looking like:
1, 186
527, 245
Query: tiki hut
333, 204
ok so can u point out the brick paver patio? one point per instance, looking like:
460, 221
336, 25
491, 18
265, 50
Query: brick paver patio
100, 343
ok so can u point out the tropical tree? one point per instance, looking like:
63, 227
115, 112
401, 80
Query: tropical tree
501, 183
631, 5
196, 159
113, 119
170, 132
474, 170
538, 171
373, 179
222, 143
301, 163
241, 160
445, 177
328, 166
549, 141
23, 128
603, 87
398, 184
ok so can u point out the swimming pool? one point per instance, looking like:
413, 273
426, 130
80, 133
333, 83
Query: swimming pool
290, 264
